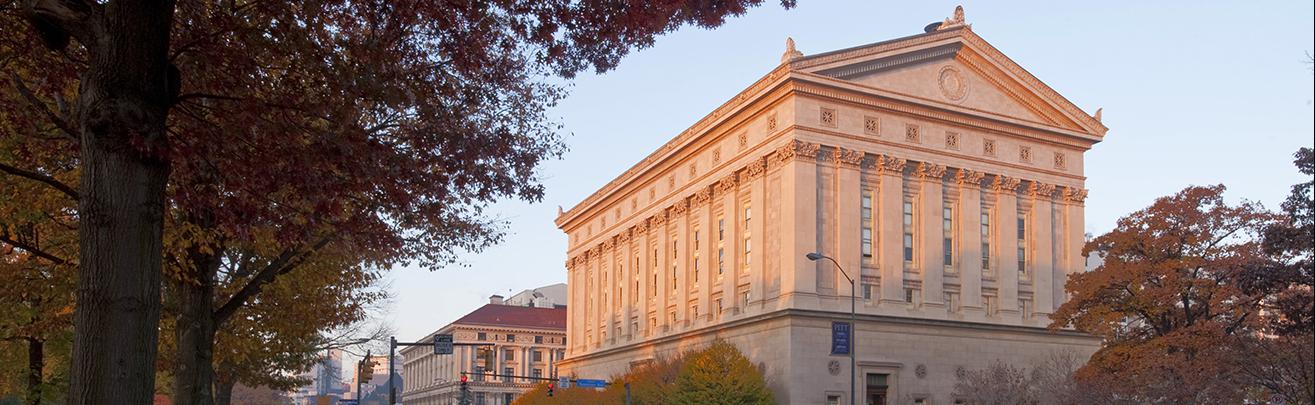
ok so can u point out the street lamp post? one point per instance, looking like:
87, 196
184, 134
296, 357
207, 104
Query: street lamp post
853, 324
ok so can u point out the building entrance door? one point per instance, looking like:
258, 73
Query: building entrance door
876, 389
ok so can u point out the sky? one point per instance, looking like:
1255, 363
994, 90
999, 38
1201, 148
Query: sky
1194, 93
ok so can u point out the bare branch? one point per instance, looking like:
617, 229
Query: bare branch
50, 181
285, 262
5, 238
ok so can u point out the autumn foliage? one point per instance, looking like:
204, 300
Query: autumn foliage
1195, 302
717, 374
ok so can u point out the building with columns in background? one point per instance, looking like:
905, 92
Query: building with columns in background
941, 175
523, 338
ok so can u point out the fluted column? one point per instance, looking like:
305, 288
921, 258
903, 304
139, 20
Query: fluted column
890, 229
930, 233
662, 236
970, 239
1006, 236
1042, 232
573, 307
626, 279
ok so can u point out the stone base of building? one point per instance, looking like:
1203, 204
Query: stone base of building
912, 358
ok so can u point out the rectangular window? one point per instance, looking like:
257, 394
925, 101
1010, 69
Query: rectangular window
721, 260
991, 306
718, 303
744, 297
538, 373
908, 231
910, 295
947, 228
867, 224
1026, 306
537, 355
507, 371
538, 339
748, 248
1022, 248
867, 292
693, 311
748, 217
509, 355
479, 398
481, 336
673, 278
986, 243
721, 228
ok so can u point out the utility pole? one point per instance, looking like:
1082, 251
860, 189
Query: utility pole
853, 325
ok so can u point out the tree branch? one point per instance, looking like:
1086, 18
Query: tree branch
285, 262
4, 237
36, 103
50, 181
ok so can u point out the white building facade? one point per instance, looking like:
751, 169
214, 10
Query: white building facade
522, 341
943, 177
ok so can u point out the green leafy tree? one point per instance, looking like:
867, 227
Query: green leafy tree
720, 374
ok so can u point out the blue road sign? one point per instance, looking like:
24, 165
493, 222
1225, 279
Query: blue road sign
840, 337
563, 382
585, 383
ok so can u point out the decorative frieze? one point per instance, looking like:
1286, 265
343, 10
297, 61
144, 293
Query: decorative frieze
701, 197
1040, 190
893, 165
969, 176
725, 185
1076, 195
847, 158
1059, 161
931, 171
1005, 184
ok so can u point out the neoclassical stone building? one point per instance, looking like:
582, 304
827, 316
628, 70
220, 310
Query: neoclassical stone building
941, 175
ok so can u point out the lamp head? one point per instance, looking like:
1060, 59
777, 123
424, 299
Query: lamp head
814, 256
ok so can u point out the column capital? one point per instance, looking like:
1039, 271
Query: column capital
1075, 195
892, 165
931, 171
968, 176
1005, 184
1040, 190
847, 157
701, 197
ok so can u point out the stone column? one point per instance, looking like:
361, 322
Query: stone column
662, 236
572, 297
730, 205
681, 220
1006, 236
1074, 237
890, 228
798, 212
930, 233
645, 250
758, 227
625, 278
1042, 232
970, 240
849, 222
707, 249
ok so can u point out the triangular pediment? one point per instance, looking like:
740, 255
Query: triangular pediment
953, 68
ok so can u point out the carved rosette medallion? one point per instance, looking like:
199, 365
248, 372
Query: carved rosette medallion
833, 367
952, 83
920, 371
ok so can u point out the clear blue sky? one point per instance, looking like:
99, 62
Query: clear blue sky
1194, 93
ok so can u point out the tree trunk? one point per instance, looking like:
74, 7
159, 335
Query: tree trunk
124, 98
193, 368
224, 390
36, 365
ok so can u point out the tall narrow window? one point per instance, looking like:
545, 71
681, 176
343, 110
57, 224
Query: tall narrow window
1022, 247
721, 260
908, 231
867, 224
721, 229
721, 245
947, 229
986, 243
748, 239
697, 249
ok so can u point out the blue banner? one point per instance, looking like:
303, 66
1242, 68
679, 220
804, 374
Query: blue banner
840, 337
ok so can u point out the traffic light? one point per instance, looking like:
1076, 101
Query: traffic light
366, 369
550, 387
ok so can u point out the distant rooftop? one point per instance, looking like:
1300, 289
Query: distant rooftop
507, 315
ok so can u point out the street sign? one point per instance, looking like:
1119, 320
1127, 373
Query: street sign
442, 344
563, 382
840, 337
586, 383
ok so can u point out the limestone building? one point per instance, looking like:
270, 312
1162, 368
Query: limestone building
941, 175
525, 341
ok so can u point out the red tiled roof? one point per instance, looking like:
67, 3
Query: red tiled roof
511, 315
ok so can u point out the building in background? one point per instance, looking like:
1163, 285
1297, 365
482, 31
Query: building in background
326, 381
523, 341
549, 296
944, 178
